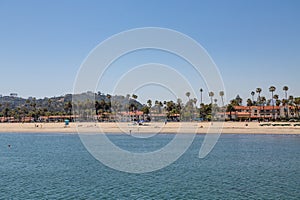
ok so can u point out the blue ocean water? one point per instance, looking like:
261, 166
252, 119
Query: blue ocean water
57, 166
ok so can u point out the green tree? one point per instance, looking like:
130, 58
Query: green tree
230, 109
68, 109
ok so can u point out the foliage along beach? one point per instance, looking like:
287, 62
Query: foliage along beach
258, 115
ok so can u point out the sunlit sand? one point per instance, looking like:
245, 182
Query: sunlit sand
152, 128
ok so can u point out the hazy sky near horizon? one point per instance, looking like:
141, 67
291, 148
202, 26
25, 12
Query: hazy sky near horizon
253, 43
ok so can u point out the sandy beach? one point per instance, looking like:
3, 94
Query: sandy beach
184, 127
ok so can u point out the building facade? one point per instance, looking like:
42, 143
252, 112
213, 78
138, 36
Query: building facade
262, 113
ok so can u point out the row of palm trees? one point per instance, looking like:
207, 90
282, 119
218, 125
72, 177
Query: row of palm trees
261, 100
211, 95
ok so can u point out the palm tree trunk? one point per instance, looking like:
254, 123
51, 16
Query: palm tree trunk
273, 107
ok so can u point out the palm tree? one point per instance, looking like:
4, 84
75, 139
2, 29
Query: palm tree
239, 100
215, 100
230, 109
258, 90
249, 104
201, 90
277, 101
285, 89
252, 94
263, 102
221, 93
108, 104
211, 95
134, 96
272, 90
195, 102
188, 94
297, 103
291, 103
149, 102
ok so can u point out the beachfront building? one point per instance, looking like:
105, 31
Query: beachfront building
262, 113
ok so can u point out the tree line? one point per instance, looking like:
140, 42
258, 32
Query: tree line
106, 105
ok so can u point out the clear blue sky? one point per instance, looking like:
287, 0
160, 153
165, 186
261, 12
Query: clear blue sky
254, 43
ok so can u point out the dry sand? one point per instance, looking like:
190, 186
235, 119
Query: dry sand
184, 127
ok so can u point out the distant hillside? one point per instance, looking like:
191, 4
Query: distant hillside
17, 107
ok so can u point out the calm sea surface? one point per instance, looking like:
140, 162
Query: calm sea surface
57, 166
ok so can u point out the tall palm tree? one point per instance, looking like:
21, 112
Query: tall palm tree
215, 100
188, 94
194, 107
201, 90
211, 95
285, 89
249, 104
195, 101
263, 102
252, 94
221, 93
272, 90
291, 103
258, 90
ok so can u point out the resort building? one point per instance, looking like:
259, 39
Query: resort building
264, 113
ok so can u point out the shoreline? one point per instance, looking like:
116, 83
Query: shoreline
150, 128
